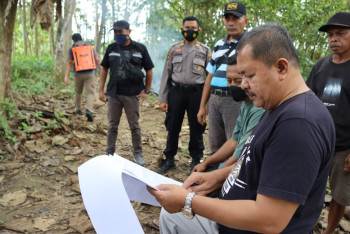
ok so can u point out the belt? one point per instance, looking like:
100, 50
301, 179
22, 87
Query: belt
187, 86
220, 92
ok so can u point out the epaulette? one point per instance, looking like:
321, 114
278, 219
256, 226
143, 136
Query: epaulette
173, 48
203, 45
177, 43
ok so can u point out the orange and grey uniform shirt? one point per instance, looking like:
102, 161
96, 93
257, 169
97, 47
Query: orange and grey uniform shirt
185, 64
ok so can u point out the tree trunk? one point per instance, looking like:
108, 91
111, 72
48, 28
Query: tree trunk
64, 32
127, 10
101, 28
113, 11
36, 41
24, 24
77, 24
52, 38
7, 22
97, 17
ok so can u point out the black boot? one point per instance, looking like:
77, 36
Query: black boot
166, 166
194, 162
89, 115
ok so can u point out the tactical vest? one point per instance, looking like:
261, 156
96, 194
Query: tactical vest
84, 58
119, 82
134, 56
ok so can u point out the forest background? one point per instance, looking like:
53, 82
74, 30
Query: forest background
35, 35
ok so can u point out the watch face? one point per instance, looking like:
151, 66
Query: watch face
187, 213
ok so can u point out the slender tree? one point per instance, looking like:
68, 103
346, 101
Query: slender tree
7, 22
113, 10
99, 33
24, 27
64, 32
36, 40
97, 18
127, 10
52, 39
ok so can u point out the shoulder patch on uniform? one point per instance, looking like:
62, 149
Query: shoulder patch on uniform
209, 57
169, 54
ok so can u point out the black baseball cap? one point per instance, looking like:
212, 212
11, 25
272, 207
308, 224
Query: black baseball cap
340, 19
120, 25
235, 8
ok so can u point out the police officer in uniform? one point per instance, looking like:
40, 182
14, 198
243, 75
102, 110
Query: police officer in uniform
123, 88
181, 90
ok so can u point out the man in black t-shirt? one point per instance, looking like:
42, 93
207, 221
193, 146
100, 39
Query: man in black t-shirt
330, 80
278, 184
123, 59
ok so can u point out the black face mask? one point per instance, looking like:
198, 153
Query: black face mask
237, 93
190, 34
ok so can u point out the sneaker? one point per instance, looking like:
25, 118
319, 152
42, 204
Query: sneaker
139, 159
194, 163
89, 115
78, 112
167, 165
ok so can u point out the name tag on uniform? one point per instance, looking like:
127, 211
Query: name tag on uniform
200, 56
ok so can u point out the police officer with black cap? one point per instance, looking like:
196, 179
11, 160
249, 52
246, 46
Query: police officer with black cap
181, 90
124, 58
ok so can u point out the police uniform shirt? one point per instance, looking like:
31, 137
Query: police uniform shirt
185, 64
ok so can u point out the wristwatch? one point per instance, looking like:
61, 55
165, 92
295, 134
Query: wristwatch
187, 210
146, 91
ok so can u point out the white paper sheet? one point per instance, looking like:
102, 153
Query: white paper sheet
107, 185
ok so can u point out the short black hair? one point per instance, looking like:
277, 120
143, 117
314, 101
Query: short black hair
190, 18
270, 42
232, 60
76, 37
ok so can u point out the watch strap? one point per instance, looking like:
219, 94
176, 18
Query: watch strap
189, 198
146, 91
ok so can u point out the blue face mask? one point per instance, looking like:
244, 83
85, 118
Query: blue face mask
120, 38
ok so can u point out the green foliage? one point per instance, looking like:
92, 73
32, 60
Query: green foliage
3, 157
56, 123
8, 107
328, 188
10, 111
60, 118
5, 129
38, 114
25, 126
32, 74
51, 126
302, 20
152, 97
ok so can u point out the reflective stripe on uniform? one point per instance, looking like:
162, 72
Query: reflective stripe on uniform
114, 54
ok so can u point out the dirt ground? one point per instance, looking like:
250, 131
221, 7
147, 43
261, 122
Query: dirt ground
39, 187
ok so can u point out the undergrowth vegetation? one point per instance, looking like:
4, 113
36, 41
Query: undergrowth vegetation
32, 75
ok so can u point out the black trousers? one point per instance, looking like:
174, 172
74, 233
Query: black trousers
181, 99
